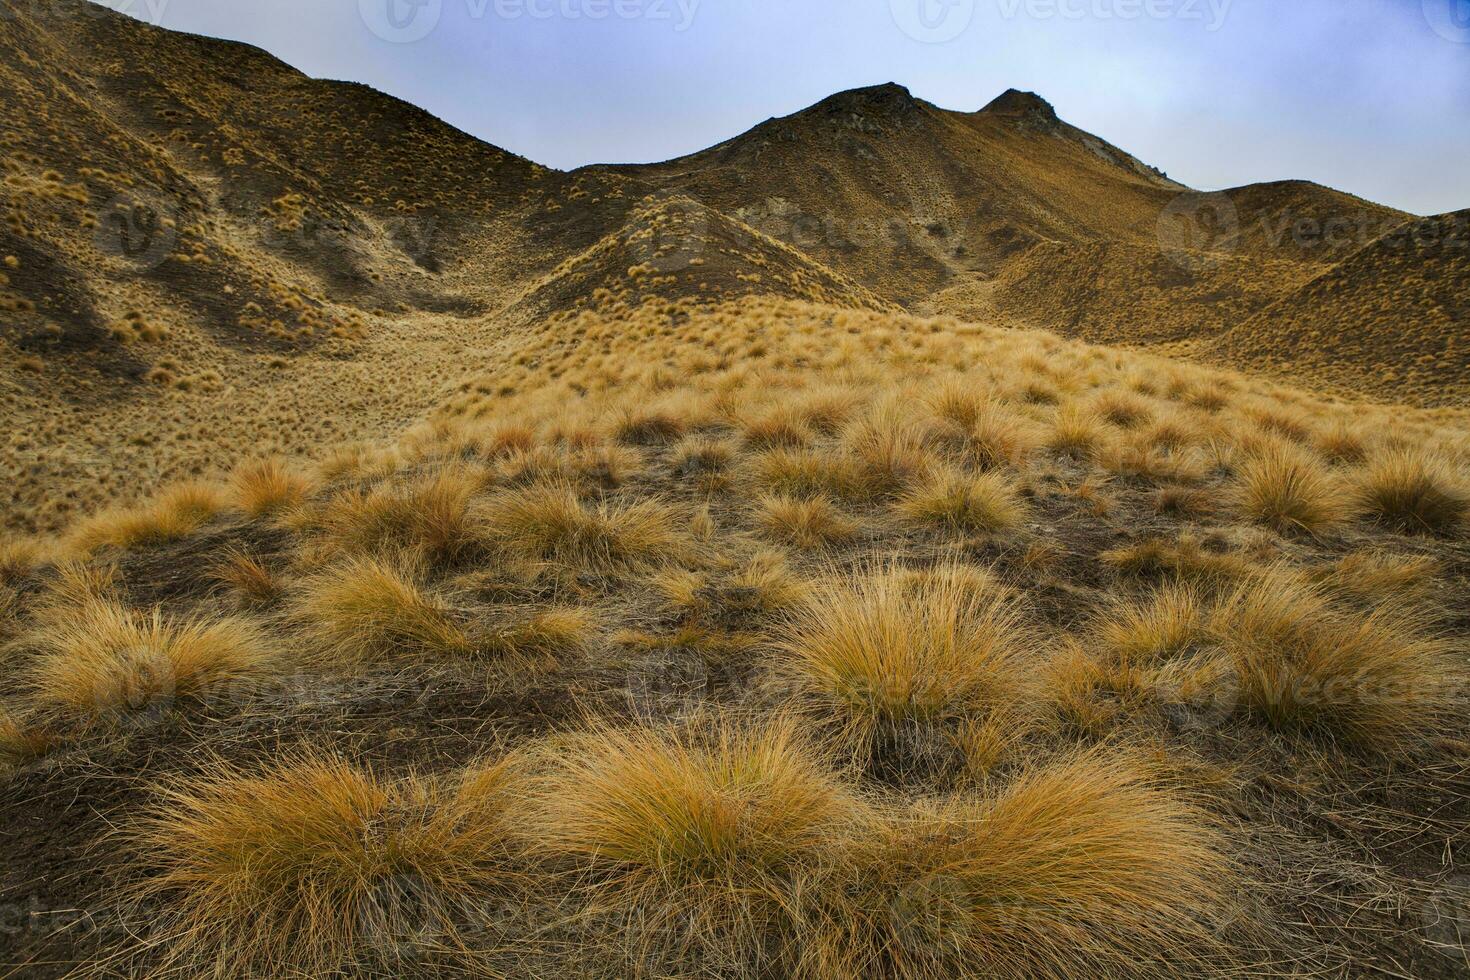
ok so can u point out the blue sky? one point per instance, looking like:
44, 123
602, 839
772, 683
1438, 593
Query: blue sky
1370, 96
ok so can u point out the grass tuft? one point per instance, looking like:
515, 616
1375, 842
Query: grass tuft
1413, 493
332, 866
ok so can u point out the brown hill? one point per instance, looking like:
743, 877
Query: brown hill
1392, 320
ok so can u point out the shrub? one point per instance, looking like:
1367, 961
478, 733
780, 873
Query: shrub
332, 866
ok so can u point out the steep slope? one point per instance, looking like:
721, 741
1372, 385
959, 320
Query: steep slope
1392, 320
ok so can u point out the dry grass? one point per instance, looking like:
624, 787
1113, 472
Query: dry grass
698, 837
971, 504
1289, 491
806, 523
249, 578
429, 520
267, 487
332, 866
96, 658
366, 611
1167, 624
1382, 681
1413, 492
549, 522
176, 514
889, 650
1085, 868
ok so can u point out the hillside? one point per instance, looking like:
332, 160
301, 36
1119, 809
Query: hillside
1393, 319
430, 565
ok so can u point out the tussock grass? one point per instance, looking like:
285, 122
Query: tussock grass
1166, 624
1284, 488
19, 742
1413, 492
806, 523
1088, 867
964, 502
254, 583
549, 522
808, 473
428, 520
539, 640
1382, 681
313, 865
891, 650
1077, 431
698, 835
175, 514
95, 658
365, 611
889, 448
266, 487
1184, 557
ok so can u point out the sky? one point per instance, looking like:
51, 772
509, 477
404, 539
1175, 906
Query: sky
1368, 96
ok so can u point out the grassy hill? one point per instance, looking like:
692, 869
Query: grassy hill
429, 564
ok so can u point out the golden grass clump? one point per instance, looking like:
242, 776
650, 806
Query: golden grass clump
1168, 623
268, 486
96, 658
893, 650
808, 473
889, 449
699, 834
428, 520
366, 611
1382, 681
1077, 431
1087, 867
806, 523
549, 522
176, 513
1284, 488
1414, 493
249, 579
968, 503
314, 865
